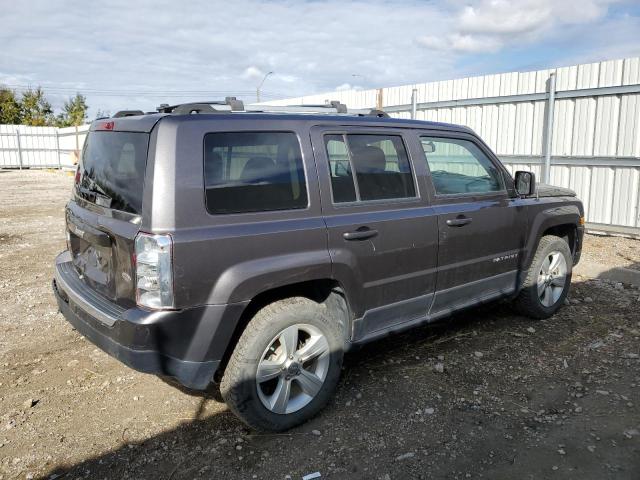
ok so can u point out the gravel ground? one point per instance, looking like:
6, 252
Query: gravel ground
613, 251
488, 394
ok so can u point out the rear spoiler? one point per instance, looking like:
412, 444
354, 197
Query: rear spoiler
127, 123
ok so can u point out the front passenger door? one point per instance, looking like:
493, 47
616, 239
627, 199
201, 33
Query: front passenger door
481, 226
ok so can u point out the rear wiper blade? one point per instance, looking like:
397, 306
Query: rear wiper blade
96, 195
94, 187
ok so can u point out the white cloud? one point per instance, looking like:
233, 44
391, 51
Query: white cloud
287, 78
343, 87
125, 54
461, 43
490, 25
217, 47
522, 16
253, 73
504, 17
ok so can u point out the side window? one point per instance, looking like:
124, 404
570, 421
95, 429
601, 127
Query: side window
459, 167
253, 172
380, 163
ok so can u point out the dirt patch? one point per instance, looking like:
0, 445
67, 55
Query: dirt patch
488, 394
8, 238
612, 251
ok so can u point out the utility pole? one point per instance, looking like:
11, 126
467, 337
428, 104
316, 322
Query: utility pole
260, 86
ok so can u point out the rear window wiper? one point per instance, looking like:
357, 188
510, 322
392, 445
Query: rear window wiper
95, 194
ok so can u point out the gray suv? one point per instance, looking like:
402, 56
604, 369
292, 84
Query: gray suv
249, 249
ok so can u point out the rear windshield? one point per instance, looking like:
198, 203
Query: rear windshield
112, 170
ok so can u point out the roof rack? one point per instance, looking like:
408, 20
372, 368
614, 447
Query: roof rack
128, 113
232, 104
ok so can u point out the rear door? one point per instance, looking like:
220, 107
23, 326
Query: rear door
382, 231
482, 229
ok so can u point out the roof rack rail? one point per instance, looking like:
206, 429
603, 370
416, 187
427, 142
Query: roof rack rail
340, 107
333, 106
203, 107
128, 113
377, 113
232, 104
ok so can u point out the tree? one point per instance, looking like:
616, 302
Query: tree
37, 111
75, 112
10, 108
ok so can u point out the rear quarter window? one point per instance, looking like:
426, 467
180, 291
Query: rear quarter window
253, 172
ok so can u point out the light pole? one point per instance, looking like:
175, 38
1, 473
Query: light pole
260, 86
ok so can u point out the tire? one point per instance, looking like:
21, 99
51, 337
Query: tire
530, 302
267, 343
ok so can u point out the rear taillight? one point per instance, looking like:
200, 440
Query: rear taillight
154, 271
78, 174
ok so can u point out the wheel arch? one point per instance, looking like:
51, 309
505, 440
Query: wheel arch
558, 220
325, 291
567, 231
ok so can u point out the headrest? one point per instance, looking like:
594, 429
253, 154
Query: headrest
258, 169
369, 159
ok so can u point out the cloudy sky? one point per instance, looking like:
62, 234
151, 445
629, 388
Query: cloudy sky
138, 54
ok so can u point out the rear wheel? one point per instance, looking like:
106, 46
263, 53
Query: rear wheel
285, 366
548, 279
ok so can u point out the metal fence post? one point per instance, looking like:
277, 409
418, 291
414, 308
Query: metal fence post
58, 149
551, 100
19, 147
414, 103
379, 99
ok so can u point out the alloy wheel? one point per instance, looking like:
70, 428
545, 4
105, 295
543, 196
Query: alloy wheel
552, 278
293, 368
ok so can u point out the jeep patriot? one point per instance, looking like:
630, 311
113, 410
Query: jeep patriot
249, 248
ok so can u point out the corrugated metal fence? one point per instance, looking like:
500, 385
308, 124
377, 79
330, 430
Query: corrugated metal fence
40, 147
594, 136
593, 133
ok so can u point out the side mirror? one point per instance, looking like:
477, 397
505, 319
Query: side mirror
428, 146
525, 183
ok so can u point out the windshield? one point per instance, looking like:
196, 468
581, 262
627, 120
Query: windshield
112, 170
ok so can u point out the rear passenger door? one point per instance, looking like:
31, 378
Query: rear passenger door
482, 227
382, 232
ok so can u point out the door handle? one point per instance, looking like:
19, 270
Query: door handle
360, 234
459, 222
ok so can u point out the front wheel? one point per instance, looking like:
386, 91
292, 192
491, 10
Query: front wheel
285, 366
548, 279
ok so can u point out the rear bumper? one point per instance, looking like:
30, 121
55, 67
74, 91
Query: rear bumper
187, 345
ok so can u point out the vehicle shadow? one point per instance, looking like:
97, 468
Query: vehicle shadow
207, 446
150, 458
